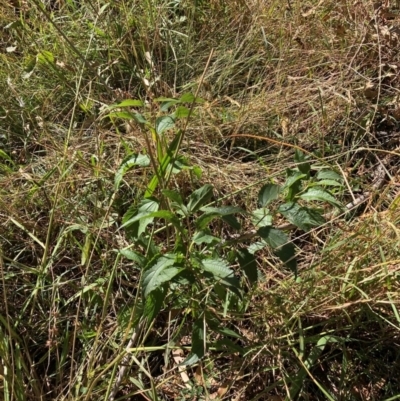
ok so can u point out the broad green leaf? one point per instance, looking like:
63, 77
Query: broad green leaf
294, 177
232, 221
267, 194
139, 118
184, 279
181, 112
164, 123
204, 237
319, 194
145, 207
212, 213
279, 242
154, 302
162, 272
224, 275
127, 115
293, 183
299, 156
177, 202
329, 175
218, 267
248, 264
189, 98
129, 162
261, 217
140, 216
180, 164
191, 359
173, 195
330, 183
287, 254
302, 217
228, 332
165, 106
167, 215
198, 343
256, 246
303, 166
273, 237
130, 213
162, 99
222, 211
134, 256
199, 198
129, 103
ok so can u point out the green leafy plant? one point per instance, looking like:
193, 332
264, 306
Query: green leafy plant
191, 266
175, 243
162, 156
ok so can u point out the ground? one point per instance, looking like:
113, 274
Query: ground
174, 178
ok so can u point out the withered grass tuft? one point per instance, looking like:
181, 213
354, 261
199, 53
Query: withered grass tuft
97, 194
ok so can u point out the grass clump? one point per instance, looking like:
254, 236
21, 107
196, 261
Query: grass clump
173, 176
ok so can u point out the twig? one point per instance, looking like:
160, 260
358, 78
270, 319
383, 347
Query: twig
125, 361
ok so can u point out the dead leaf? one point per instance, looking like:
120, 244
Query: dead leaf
285, 126
198, 376
385, 32
223, 390
178, 357
370, 91
232, 101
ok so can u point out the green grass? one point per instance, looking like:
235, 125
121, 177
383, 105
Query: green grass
124, 242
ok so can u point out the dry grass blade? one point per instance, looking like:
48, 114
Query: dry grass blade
276, 79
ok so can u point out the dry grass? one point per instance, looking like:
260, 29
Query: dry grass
320, 75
